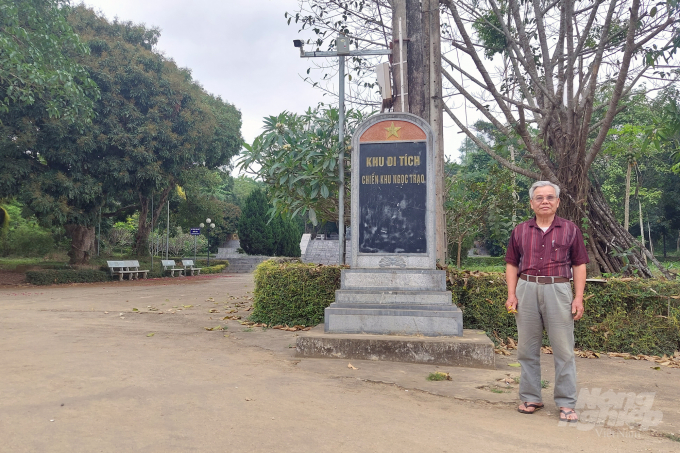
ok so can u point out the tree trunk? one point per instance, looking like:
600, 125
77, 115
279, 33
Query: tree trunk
82, 243
144, 227
460, 245
626, 207
608, 241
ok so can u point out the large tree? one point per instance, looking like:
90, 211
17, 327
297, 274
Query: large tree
533, 70
152, 123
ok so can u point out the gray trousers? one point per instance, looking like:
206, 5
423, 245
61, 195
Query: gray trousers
546, 307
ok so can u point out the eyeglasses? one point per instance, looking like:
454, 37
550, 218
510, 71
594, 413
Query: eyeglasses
549, 199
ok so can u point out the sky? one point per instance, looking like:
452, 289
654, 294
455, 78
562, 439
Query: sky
240, 50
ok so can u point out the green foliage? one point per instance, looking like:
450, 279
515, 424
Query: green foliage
27, 241
636, 316
286, 237
37, 50
255, 234
216, 269
471, 205
52, 277
483, 261
296, 156
23, 236
4, 221
490, 32
243, 186
179, 244
293, 293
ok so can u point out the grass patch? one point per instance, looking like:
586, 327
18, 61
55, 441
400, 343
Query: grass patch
439, 376
672, 437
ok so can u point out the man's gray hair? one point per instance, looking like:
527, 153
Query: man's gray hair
543, 184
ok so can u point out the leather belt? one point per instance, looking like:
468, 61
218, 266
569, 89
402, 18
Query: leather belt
543, 280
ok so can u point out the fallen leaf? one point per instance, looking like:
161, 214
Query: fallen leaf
213, 310
150, 334
349, 365
546, 349
501, 351
135, 309
516, 365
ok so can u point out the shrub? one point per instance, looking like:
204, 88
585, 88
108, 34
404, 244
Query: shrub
216, 269
51, 277
28, 240
293, 293
483, 261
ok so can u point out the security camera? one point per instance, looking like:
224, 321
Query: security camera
298, 43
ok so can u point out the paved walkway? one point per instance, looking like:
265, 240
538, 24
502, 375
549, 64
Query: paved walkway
130, 366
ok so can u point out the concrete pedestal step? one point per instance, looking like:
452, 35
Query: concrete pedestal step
473, 349
360, 296
394, 319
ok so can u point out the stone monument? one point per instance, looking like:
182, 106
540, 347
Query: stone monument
393, 286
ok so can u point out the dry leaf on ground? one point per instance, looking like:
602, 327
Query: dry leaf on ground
349, 365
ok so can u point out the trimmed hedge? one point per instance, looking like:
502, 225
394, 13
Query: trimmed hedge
213, 269
623, 315
293, 293
483, 261
52, 276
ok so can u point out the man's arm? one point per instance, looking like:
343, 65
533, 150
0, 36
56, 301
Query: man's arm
512, 278
579, 287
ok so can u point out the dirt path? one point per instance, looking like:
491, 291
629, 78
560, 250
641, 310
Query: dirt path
82, 372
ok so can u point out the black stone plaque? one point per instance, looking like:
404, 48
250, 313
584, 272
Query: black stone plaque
392, 197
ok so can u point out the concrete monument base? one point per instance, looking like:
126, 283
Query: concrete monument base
473, 349
393, 302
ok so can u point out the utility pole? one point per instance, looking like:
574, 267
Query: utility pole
416, 71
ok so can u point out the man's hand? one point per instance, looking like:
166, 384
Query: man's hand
511, 278
579, 273
577, 308
511, 304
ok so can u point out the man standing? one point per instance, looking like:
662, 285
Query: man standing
542, 256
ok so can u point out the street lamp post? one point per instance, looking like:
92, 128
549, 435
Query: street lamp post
212, 227
342, 45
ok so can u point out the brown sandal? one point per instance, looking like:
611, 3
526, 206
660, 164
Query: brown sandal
566, 413
537, 407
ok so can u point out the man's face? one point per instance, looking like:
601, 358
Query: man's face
545, 203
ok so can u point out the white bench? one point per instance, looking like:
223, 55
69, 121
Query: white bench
129, 268
169, 266
190, 267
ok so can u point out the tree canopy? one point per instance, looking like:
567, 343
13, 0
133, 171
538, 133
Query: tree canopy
297, 156
152, 124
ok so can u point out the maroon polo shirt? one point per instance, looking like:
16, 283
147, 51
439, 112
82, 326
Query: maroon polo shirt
552, 253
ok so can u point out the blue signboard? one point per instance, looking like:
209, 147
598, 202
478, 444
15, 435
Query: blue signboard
195, 231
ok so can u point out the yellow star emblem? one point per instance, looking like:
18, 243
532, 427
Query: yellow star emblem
392, 130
